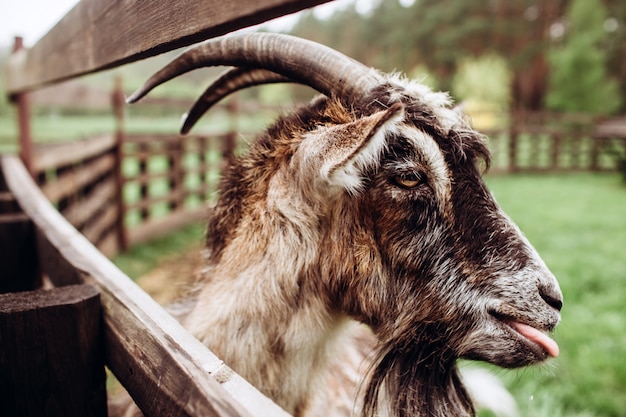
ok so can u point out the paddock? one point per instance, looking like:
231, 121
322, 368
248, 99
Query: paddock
62, 213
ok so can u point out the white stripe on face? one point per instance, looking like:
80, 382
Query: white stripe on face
437, 169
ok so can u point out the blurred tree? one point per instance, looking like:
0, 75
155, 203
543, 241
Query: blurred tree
616, 44
449, 32
470, 83
579, 80
442, 34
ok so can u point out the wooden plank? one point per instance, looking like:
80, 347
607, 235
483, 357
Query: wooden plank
18, 254
100, 34
142, 339
109, 244
147, 202
160, 227
145, 177
52, 355
96, 227
117, 99
104, 192
70, 183
57, 155
22, 104
72, 94
152, 138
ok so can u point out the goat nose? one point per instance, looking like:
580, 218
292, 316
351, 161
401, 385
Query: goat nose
552, 297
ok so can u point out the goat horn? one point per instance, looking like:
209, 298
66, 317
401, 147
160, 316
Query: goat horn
306, 62
232, 80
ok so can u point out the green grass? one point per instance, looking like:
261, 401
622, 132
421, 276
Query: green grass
577, 222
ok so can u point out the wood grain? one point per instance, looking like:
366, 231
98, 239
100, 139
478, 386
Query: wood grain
52, 355
61, 154
100, 34
73, 181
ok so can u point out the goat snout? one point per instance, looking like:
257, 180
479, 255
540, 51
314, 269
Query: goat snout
552, 296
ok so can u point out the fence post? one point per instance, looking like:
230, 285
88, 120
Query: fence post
52, 357
174, 151
513, 143
595, 151
118, 101
204, 167
556, 151
143, 149
18, 248
22, 103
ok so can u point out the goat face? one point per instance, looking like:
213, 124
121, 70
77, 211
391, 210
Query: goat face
427, 243
415, 246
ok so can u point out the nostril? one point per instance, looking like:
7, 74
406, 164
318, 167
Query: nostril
553, 301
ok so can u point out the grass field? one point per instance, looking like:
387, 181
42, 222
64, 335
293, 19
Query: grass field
577, 222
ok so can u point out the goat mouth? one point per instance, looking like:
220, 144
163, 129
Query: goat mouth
530, 335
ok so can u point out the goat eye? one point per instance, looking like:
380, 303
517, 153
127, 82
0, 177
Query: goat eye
411, 180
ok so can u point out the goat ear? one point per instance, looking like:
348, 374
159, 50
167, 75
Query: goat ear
350, 148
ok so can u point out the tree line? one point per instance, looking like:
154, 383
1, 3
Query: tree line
567, 55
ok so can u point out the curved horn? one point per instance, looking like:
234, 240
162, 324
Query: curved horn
303, 61
232, 80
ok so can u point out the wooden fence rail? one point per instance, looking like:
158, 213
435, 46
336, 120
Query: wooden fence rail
530, 150
80, 178
171, 180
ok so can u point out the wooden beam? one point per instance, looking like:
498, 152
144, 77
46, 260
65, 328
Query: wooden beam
19, 271
66, 153
79, 213
22, 104
71, 182
101, 34
52, 355
73, 94
147, 350
156, 228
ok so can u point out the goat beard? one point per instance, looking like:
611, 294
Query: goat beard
411, 378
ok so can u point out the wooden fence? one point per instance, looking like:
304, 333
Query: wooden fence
552, 142
166, 370
60, 203
120, 189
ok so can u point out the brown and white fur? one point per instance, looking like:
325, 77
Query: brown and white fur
370, 212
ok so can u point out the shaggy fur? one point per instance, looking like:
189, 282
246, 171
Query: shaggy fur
375, 212
368, 209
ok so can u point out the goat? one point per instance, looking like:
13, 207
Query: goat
366, 205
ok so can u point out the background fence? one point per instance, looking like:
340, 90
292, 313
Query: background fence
120, 189
545, 142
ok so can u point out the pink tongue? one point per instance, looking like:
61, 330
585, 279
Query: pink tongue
538, 337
